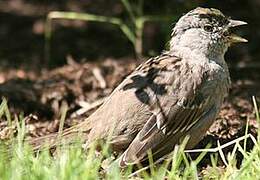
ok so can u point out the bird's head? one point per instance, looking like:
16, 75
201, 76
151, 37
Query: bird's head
207, 30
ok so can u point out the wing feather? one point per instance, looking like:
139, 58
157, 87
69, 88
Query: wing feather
173, 114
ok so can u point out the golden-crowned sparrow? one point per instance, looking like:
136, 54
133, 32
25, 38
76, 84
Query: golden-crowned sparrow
176, 94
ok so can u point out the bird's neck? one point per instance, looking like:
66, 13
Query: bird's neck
196, 50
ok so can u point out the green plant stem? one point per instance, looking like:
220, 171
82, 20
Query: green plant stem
134, 36
84, 17
140, 8
129, 10
139, 37
91, 17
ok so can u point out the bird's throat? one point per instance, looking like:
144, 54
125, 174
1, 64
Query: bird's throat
182, 46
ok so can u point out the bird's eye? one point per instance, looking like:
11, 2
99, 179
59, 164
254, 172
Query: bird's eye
208, 28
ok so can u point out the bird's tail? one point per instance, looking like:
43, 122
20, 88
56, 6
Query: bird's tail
68, 136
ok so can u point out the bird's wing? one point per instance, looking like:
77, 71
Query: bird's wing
160, 143
177, 106
128, 107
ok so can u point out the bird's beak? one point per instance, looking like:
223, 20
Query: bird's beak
234, 23
233, 38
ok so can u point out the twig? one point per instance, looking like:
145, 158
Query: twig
221, 153
64, 109
87, 106
217, 149
98, 75
224, 145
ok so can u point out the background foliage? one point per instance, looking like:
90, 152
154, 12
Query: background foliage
22, 29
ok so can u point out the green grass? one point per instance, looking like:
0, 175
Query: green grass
72, 162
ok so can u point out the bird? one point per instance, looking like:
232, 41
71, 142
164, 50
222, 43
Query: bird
174, 95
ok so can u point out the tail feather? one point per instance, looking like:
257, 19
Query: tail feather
68, 136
